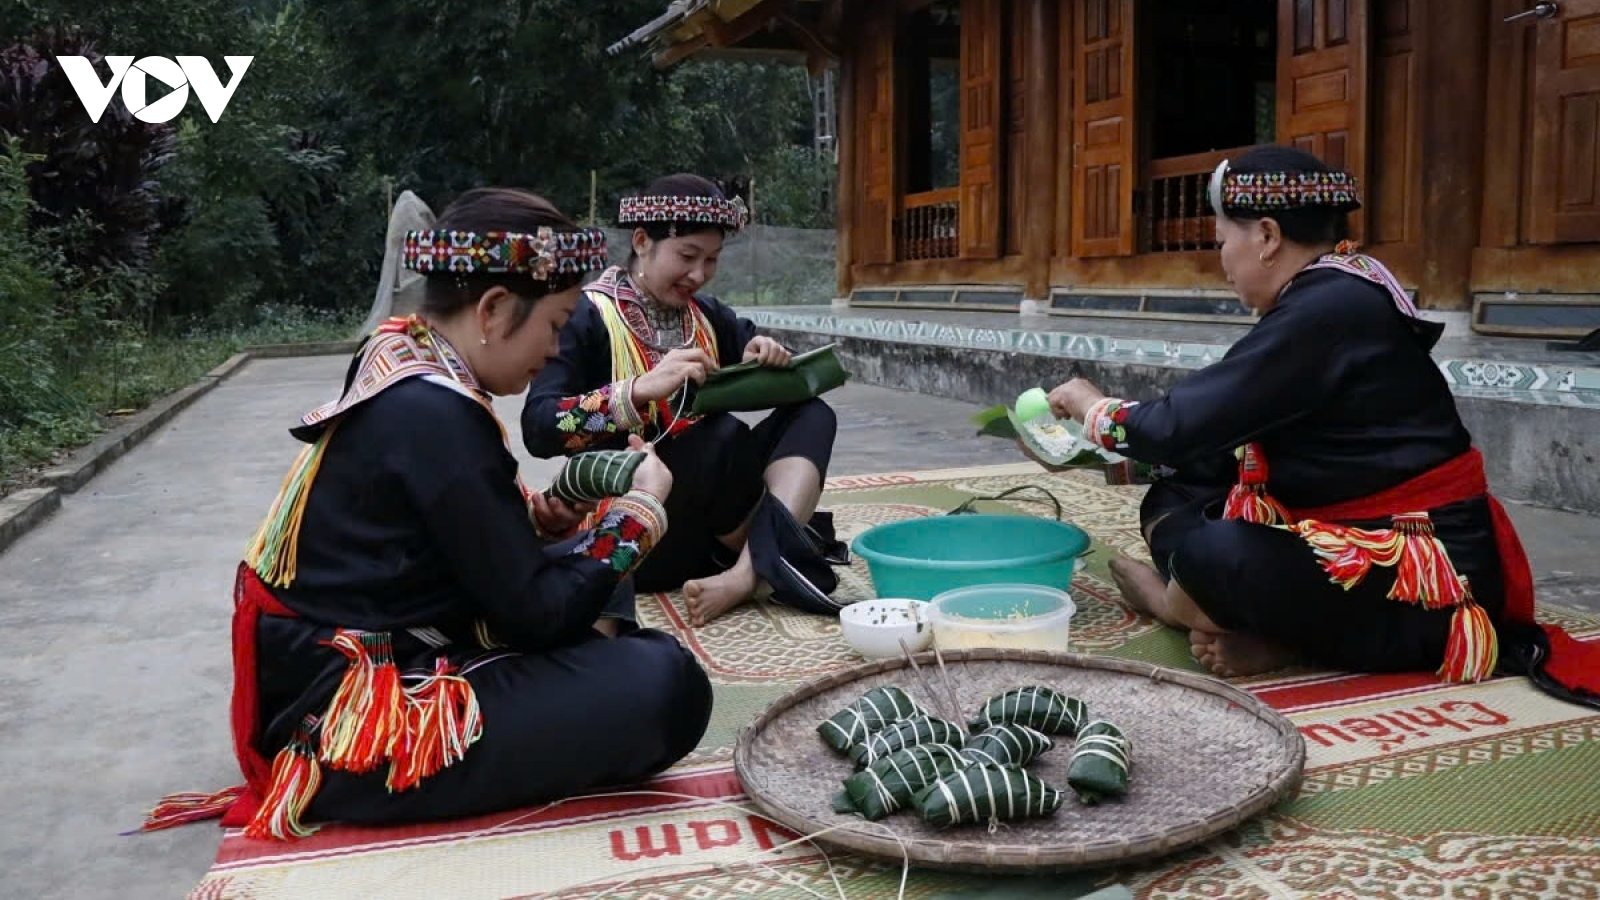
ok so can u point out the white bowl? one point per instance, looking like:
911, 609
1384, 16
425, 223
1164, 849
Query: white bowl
874, 628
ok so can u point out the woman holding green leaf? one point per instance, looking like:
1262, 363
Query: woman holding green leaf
635, 352
1327, 505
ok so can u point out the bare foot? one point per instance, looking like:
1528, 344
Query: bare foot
1143, 589
1230, 655
712, 597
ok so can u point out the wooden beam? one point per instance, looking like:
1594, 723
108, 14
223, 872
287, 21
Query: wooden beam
809, 41
727, 34
844, 192
1043, 106
1453, 59
832, 18
677, 53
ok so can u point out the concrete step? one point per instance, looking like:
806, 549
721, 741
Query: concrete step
1536, 419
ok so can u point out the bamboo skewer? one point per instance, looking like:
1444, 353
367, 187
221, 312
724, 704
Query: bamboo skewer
927, 688
950, 688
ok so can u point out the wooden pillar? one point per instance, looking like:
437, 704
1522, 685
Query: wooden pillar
1044, 107
844, 192
1453, 62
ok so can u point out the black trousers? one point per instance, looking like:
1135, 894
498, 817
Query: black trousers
599, 713
1268, 583
718, 476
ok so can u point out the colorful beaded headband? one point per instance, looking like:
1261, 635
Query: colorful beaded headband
544, 255
1262, 192
730, 214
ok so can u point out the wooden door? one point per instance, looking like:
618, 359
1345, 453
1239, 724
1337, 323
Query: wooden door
874, 230
1323, 56
1564, 201
982, 150
1104, 140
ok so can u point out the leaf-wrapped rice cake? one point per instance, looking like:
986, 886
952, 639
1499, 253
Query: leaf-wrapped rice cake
985, 792
920, 730
1007, 745
888, 784
1100, 763
1035, 706
876, 710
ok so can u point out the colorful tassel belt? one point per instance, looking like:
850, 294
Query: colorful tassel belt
1424, 573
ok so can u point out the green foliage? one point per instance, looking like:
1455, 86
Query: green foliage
795, 188
141, 255
106, 170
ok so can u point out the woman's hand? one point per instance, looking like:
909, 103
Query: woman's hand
555, 517
676, 369
767, 351
1073, 399
652, 477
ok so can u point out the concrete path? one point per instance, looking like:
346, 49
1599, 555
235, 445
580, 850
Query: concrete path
114, 657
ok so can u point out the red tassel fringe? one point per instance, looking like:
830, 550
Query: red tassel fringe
1249, 500
295, 779
1473, 649
443, 720
181, 809
366, 716
1424, 573
1253, 504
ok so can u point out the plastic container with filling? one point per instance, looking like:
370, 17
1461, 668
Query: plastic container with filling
1012, 616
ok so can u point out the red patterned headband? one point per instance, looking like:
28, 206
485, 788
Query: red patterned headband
1264, 192
730, 214
544, 255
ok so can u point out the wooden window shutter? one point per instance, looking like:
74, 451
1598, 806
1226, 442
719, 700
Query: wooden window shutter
1564, 203
982, 83
874, 230
1323, 57
1105, 143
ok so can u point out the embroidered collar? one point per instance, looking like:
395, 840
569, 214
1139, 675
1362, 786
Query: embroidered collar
399, 348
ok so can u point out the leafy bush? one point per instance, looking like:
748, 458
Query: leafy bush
107, 170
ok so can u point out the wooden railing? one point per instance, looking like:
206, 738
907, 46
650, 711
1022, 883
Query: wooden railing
929, 226
1176, 212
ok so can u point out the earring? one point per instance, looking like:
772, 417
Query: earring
1265, 264
483, 341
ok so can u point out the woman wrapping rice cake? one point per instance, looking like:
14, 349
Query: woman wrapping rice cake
630, 357
1326, 503
417, 637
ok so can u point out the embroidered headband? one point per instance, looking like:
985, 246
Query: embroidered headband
730, 214
1263, 192
544, 255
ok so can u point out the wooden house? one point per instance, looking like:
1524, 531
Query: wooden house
1052, 155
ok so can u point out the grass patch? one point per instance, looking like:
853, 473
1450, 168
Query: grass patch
128, 371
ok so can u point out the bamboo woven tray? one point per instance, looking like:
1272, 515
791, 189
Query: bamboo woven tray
1206, 757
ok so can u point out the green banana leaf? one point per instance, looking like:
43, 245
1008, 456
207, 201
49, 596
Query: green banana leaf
1003, 422
887, 785
1007, 745
876, 710
751, 386
983, 793
1101, 763
1035, 706
909, 733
